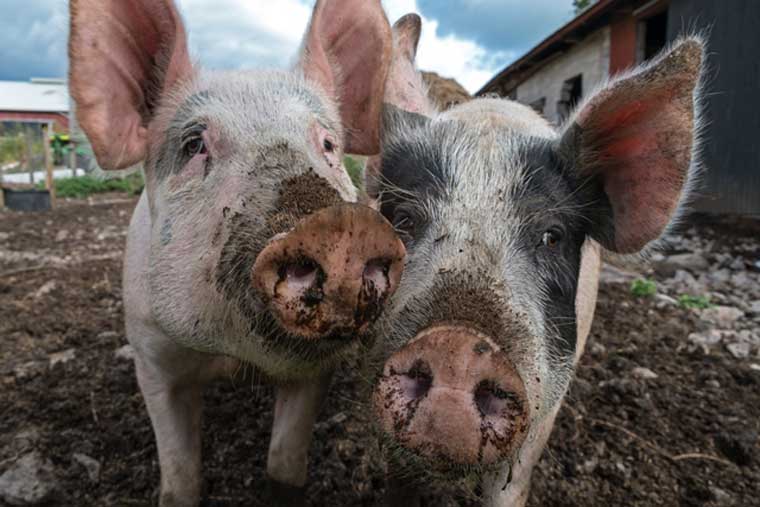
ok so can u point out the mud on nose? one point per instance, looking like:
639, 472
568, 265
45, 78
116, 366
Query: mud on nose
332, 273
453, 396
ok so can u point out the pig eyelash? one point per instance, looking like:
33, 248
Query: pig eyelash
192, 141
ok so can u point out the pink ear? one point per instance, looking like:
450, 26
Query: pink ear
347, 51
405, 88
637, 136
123, 55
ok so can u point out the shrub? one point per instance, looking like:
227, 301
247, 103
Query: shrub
83, 186
642, 288
689, 301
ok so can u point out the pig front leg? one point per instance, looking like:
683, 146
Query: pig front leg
175, 412
504, 490
295, 413
171, 379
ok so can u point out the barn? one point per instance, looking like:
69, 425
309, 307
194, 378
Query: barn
611, 36
39, 101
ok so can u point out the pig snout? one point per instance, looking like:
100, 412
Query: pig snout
331, 275
453, 397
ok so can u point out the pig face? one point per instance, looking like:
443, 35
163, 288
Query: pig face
500, 214
258, 248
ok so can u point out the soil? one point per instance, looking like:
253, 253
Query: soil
688, 437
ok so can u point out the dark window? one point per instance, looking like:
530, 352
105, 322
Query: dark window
572, 92
538, 105
655, 34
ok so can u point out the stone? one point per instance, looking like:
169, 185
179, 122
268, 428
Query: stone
754, 367
754, 307
62, 357
62, 235
107, 335
125, 353
29, 369
723, 316
46, 288
643, 373
29, 481
721, 496
740, 350
668, 266
706, 339
90, 464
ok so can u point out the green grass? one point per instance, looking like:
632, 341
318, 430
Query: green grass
355, 169
643, 288
83, 186
689, 301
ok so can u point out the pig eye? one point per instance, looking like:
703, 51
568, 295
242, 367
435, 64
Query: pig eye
194, 146
328, 145
551, 238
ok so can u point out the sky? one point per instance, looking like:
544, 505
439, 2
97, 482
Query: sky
469, 40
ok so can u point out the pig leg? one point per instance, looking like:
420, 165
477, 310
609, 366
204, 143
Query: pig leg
504, 490
295, 413
171, 379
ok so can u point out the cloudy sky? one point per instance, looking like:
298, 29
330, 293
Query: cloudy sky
469, 40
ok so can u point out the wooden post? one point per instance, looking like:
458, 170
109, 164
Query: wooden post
2, 194
48, 162
72, 157
28, 153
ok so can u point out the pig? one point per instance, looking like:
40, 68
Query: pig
505, 219
250, 244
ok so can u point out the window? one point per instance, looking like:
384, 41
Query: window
652, 36
571, 94
538, 105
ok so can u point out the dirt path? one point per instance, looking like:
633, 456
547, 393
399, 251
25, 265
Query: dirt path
687, 437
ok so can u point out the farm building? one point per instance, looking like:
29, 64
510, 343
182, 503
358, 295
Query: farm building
39, 101
613, 35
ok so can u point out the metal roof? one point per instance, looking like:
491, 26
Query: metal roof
39, 96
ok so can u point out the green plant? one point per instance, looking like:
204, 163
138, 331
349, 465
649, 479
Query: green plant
643, 288
689, 301
355, 170
83, 186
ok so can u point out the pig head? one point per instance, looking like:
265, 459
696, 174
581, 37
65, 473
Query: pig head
503, 217
248, 240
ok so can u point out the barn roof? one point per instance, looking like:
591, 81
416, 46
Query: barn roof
38, 95
562, 38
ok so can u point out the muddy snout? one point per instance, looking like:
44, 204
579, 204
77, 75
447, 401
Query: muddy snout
332, 273
451, 396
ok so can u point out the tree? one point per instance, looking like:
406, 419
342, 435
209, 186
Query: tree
580, 5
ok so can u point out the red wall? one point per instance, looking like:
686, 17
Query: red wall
622, 43
61, 121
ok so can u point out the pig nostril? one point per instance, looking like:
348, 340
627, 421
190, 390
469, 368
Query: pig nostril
300, 275
417, 381
375, 275
490, 399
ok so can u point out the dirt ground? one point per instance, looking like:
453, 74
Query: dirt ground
688, 437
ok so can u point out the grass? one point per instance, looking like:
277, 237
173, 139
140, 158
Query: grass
689, 301
83, 186
643, 288
355, 170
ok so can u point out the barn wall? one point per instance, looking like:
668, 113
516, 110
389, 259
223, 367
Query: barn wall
589, 57
731, 183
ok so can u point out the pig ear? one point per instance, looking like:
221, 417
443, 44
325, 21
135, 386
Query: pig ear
123, 55
406, 102
347, 50
637, 138
405, 88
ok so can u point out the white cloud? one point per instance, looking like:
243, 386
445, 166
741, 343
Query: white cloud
249, 34
449, 56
